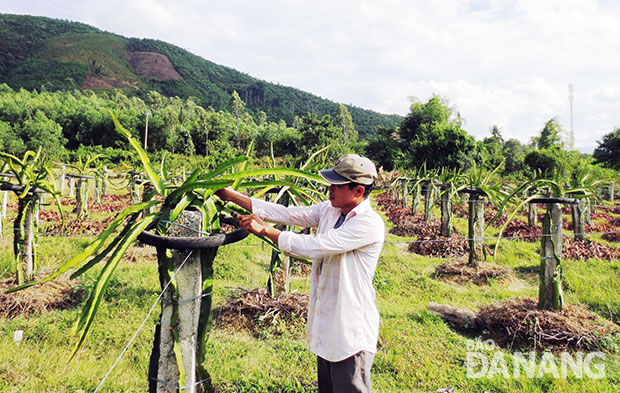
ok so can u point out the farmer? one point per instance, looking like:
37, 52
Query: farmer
343, 321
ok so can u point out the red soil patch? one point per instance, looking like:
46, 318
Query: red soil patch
460, 211
611, 233
111, 203
601, 216
415, 226
397, 214
153, 65
49, 216
77, 226
93, 81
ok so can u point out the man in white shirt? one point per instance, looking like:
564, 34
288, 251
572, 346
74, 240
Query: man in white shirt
343, 320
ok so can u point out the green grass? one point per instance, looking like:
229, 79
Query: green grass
418, 351
104, 52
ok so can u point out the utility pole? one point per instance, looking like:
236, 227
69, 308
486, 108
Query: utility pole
570, 101
146, 128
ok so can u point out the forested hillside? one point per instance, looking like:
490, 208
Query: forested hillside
50, 54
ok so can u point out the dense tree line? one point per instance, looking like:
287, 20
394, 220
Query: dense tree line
63, 122
72, 124
431, 135
608, 151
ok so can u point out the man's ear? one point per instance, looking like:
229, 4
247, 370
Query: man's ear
359, 191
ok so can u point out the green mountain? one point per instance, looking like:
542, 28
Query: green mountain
39, 52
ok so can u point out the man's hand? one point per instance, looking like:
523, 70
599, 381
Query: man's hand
254, 224
227, 194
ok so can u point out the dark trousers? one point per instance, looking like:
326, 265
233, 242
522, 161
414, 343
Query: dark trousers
351, 375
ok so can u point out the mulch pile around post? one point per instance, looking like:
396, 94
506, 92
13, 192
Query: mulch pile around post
415, 226
520, 230
440, 247
587, 249
519, 323
58, 294
110, 203
459, 272
489, 214
255, 309
611, 233
75, 226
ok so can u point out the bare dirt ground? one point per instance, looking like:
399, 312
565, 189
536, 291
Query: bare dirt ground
93, 81
153, 65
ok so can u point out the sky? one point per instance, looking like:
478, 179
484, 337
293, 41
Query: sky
504, 63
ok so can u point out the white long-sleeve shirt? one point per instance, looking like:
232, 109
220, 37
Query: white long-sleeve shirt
342, 316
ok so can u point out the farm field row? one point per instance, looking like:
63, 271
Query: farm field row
418, 351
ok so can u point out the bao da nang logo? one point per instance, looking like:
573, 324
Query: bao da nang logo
484, 360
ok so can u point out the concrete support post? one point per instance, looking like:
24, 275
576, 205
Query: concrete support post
550, 290
532, 214
71, 187
417, 191
177, 370
429, 196
475, 231
446, 213
5, 202
578, 220
81, 197
61, 179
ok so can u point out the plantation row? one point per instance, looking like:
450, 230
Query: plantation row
160, 199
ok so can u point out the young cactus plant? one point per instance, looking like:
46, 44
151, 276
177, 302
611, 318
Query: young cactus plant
86, 169
167, 201
32, 178
303, 193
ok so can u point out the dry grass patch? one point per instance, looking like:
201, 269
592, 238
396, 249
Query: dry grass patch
59, 294
519, 323
459, 272
440, 247
254, 309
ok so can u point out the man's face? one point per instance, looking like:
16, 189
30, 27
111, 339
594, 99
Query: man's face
342, 196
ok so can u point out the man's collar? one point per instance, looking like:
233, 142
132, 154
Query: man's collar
362, 207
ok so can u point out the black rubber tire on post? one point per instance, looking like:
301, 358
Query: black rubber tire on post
17, 188
566, 201
193, 243
473, 191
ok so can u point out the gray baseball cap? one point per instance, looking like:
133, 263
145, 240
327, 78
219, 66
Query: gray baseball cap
351, 168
